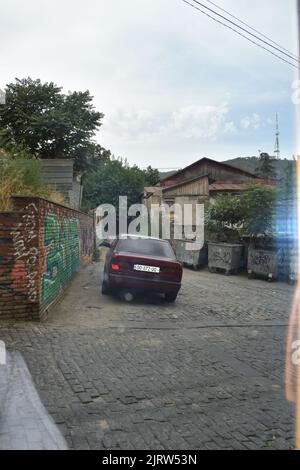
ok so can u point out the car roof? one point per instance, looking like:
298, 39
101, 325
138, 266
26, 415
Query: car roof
124, 236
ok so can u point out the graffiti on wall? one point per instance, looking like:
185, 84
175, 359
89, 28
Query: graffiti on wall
25, 245
61, 254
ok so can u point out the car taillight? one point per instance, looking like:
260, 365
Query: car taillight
119, 265
115, 267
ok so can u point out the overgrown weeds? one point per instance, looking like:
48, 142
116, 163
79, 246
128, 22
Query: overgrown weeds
23, 177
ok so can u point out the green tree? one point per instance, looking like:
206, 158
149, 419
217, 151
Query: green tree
89, 157
152, 175
265, 167
250, 213
48, 123
289, 180
111, 179
258, 206
223, 218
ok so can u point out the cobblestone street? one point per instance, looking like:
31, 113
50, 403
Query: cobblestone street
204, 373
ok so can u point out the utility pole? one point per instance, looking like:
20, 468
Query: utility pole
277, 146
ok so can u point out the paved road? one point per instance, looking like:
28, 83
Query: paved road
205, 373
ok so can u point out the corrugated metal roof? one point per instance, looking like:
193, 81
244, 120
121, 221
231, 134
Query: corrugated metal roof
268, 182
227, 187
242, 186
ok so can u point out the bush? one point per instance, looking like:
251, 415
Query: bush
258, 205
21, 176
251, 213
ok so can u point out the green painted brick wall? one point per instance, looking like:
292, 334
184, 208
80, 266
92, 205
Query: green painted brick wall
41, 247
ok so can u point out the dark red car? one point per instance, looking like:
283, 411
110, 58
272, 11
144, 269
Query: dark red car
136, 264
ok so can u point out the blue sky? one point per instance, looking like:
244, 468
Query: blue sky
173, 85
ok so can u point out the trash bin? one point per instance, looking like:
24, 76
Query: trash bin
263, 262
191, 254
224, 256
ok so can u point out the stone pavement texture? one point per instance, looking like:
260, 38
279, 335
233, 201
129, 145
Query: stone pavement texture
204, 373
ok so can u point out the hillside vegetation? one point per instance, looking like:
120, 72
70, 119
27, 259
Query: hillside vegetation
281, 167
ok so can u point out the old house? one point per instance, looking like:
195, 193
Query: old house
198, 183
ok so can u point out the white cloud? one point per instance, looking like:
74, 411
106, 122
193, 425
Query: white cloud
132, 124
158, 70
199, 122
193, 122
253, 121
230, 128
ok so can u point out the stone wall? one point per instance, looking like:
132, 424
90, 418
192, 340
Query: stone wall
41, 247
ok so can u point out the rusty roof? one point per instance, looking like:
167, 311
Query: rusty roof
227, 187
241, 186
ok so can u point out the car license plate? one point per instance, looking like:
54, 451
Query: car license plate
146, 269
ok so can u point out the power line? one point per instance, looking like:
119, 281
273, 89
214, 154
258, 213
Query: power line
246, 31
240, 34
253, 29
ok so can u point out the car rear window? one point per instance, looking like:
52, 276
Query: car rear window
146, 247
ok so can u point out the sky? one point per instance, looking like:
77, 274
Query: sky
173, 85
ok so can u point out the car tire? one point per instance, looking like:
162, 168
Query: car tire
171, 296
105, 288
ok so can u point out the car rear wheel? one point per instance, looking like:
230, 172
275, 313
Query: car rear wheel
171, 296
126, 295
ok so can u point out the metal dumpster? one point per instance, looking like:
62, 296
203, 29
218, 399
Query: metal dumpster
224, 256
263, 262
191, 254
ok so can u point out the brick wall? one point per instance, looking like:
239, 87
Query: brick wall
41, 246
